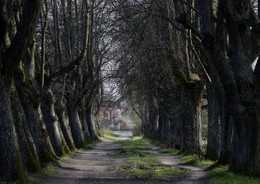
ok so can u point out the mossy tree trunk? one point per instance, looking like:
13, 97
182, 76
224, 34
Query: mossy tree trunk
12, 166
29, 97
25, 139
52, 123
237, 80
75, 125
64, 124
11, 54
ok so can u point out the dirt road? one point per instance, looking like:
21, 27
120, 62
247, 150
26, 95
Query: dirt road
98, 166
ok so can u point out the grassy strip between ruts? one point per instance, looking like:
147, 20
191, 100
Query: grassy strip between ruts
107, 135
144, 164
217, 174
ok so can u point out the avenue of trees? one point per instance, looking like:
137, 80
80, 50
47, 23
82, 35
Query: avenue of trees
187, 64
181, 64
49, 80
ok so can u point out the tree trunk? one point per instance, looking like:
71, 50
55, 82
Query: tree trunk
63, 119
31, 106
213, 144
226, 133
245, 142
176, 135
26, 142
153, 118
162, 125
192, 120
90, 123
51, 121
83, 119
11, 162
75, 125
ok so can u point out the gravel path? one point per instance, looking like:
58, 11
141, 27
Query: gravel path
97, 166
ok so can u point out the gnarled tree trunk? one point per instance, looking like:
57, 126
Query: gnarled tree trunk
25, 139
214, 120
52, 124
75, 125
11, 162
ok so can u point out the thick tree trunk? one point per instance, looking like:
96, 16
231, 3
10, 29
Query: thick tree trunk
31, 106
192, 120
25, 139
176, 135
213, 144
226, 133
52, 124
75, 125
11, 162
244, 149
64, 124
245, 142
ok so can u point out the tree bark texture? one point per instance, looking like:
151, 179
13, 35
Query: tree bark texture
213, 141
12, 166
52, 124
31, 105
25, 139
75, 125
64, 124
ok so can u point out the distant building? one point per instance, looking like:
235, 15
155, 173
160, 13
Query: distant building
110, 115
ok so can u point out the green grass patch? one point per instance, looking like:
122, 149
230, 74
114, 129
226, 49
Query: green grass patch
217, 174
147, 166
136, 143
221, 175
107, 135
142, 164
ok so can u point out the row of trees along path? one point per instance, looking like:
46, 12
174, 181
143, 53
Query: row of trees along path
99, 165
184, 66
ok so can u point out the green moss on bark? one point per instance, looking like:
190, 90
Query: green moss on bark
19, 169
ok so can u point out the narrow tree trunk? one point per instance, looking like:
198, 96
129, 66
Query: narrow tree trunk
153, 118
83, 119
90, 123
162, 124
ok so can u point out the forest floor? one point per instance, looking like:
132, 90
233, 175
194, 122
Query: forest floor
104, 164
